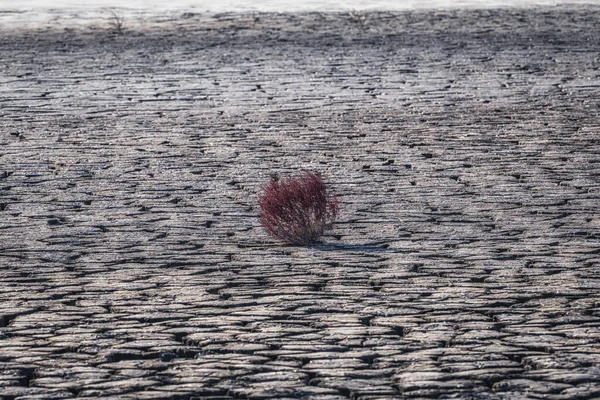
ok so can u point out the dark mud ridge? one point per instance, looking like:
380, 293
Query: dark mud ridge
465, 150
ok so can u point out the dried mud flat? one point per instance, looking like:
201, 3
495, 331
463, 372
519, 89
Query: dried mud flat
464, 147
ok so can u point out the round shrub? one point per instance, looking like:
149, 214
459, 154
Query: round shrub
298, 209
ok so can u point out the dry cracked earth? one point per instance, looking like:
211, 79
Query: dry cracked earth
464, 147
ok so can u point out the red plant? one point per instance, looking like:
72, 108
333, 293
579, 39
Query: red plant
297, 210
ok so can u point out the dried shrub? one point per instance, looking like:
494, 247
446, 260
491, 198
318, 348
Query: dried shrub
117, 22
298, 209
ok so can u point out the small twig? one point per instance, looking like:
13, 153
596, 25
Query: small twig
117, 22
357, 17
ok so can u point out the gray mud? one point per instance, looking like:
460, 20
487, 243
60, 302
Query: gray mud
464, 147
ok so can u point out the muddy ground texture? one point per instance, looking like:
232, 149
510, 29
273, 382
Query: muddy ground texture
464, 147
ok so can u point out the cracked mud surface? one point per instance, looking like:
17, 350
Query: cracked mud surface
464, 148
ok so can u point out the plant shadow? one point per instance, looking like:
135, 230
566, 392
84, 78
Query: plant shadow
365, 248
